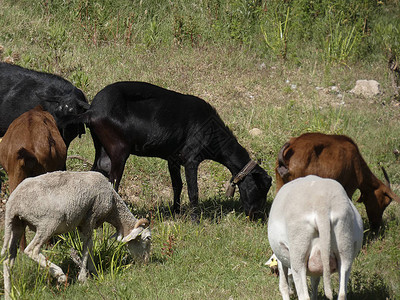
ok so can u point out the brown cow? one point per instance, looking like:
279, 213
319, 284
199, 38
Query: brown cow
32, 146
336, 157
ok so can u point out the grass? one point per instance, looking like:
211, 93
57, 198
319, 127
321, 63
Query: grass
223, 256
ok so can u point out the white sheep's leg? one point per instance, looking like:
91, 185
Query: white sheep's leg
298, 259
345, 255
344, 275
300, 281
33, 251
314, 287
292, 288
283, 281
87, 249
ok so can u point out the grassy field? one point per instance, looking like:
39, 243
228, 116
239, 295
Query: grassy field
200, 50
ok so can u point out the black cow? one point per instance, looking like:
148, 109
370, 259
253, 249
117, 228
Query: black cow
23, 89
142, 119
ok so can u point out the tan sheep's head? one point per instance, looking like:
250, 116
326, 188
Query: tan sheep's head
139, 241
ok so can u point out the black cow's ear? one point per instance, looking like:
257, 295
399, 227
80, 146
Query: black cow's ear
261, 179
257, 177
83, 105
46, 98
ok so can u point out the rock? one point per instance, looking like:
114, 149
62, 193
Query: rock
255, 132
9, 60
366, 88
334, 88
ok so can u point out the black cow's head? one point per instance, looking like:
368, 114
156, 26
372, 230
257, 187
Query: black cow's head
253, 191
65, 107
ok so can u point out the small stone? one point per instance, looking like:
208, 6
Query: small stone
255, 132
366, 88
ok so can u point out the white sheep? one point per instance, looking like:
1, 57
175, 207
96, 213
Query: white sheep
314, 229
59, 202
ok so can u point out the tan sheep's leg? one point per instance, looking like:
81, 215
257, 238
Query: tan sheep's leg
7, 266
33, 251
10, 251
7, 279
87, 249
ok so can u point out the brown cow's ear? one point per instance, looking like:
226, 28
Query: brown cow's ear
393, 196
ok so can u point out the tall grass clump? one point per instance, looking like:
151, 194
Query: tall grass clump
331, 31
276, 38
341, 40
108, 255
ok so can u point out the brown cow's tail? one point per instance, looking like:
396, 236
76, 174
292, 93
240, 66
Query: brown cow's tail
282, 168
28, 162
27, 156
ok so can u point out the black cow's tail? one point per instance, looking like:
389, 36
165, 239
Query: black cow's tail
283, 168
75, 119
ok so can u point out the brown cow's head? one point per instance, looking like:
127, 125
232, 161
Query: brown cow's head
377, 200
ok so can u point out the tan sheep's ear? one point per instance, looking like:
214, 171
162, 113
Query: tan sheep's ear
140, 225
133, 234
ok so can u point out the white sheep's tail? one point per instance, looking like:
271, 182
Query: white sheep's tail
324, 228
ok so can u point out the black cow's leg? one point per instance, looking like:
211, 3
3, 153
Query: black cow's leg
191, 169
176, 180
118, 160
97, 147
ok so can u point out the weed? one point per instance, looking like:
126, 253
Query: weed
341, 40
276, 36
79, 78
168, 250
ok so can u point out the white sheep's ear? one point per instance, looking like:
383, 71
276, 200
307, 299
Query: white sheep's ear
133, 234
